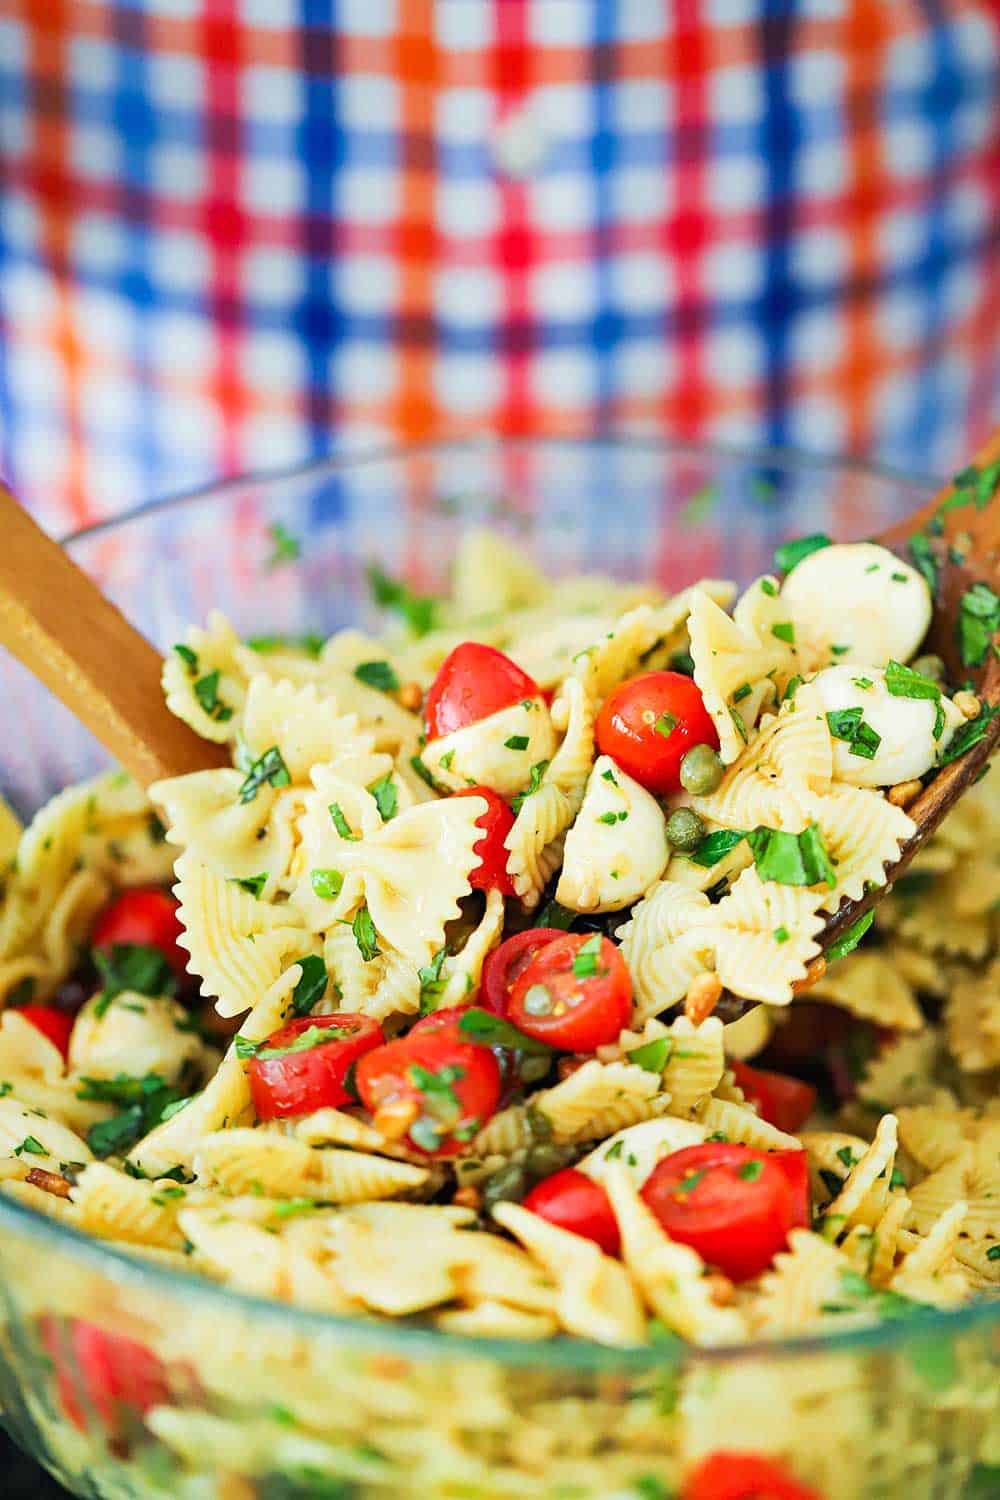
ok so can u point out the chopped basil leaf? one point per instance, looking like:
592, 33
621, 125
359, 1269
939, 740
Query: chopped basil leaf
924, 560
781, 934
310, 1037
612, 817
439, 1097
269, 767
690, 1182
538, 770
365, 936
794, 683
750, 1171
939, 721
848, 724
206, 690
978, 623
863, 682
144, 1102
904, 682
432, 982
653, 1056
244, 1047
839, 650
516, 742
716, 846
790, 554
792, 858
31, 1146
742, 692
784, 631
131, 966
553, 914
285, 546
310, 643
386, 796
585, 960
493, 1031
739, 725
849, 940
311, 986
377, 674
665, 725
609, 775
189, 658
769, 587
157, 831
446, 760
340, 823
327, 883
253, 884
615, 1150
419, 612
970, 734
421, 770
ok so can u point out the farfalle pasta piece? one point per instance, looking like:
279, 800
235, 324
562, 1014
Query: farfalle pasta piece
335, 1127
206, 655
832, 1154
638, 1148
863, 833
500, 751
791, 755
238, 943
599, 1099
261, 1263
47, 855
662, 953
32, 1140
742, 1125
383, 986
243, 1161
491, 576
617, 847
971, 1176
637, 636
115, 1207
203, 815
695, 1063
535, 843
33, 1071
902, 1072
595, 1297
547, 649
415, 869
928, 1271
762, 936
934, 924
403, 1262
461, 971
309, 730
670, 1276
972, 1021
334, 813
727, 657
864, 1196
495, 1320
933, 1134
868, 985
790, 1298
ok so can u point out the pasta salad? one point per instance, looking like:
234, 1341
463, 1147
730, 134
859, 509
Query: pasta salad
410, 1011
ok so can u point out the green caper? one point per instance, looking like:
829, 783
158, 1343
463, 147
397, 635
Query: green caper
544, 1160
508, 1185
930, 666
538, 1123
685, 830
701, 770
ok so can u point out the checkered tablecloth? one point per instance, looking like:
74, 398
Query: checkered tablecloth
236, 232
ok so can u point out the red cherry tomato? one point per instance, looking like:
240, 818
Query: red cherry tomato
786, 1103
473, 682
144, 915
576, 994
102, 1374
572, 1201
731, 1204
795, 1166
744, 1476
650, 723
302, 1066
505, 963
491, 871
454, 1084
55, 1024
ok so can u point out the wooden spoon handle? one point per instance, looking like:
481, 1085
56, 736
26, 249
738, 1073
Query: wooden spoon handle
60, 625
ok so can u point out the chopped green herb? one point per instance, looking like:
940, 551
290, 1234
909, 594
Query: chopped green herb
872, 567
849, 940
784, 630
493, 1031
421, 770
792, 858
310, 643
553, 914
993, 1253
340, 823
690, 1182
365, 936
653, 1056
585, 961
206, 690
612, 817
924, 560
896, 1179
253, 884
292, 1206
863, 683
419, 612
978, 623
831, 1182
649, 1487
157, 832
516, 742
716, 846
738, 725
665, 725
144, 1101
904, 682
269, 767
609, 775
794, 683
432, 982
327, 884
750, 1171
790, 554
311, 986
377, 674
939, 721
131, 966
970, 734
839, 650
781, 934
742, 692
285, 547
769, 587
386, 796
310, 1037
189, 658
848, 724
538, 770
615, 1150
31, 1147
446, 760
244, 1047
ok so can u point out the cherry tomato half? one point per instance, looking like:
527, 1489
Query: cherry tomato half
795, 1165
731, 1204
442, 1087
144, 915
505, 963
575, 994
650, 723
573, 1201
302, 1066
102, 1374
55, 1024
784, 1102
744, 1476
473, 682
497, 821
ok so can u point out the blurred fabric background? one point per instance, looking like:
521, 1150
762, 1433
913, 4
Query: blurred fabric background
238, 233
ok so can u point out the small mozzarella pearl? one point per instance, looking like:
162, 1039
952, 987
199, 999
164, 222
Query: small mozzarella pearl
861, 596
907, 745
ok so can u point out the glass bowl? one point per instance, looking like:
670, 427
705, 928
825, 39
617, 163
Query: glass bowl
261, 1401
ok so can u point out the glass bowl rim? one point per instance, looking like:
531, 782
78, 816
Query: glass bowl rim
416, 1340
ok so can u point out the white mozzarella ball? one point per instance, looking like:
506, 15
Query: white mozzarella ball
907, 745
618, 845
136, 1034
861, 599
498, 751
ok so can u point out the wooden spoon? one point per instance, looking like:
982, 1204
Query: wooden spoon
59, 624
960, 531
